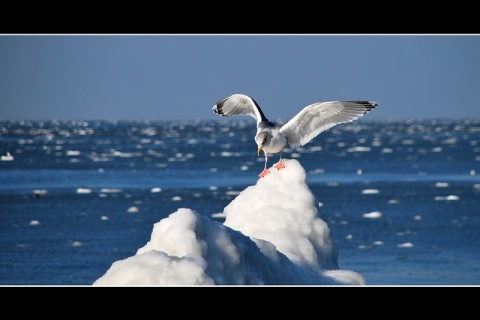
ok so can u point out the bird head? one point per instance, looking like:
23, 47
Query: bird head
262, 139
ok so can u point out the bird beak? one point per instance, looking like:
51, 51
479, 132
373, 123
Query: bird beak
259, 150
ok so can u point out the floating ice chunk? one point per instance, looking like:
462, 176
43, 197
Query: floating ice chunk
73, 153
40, 192
449, 141
447, 198
110, 190
34, 223
370, 191
372, 215
405, 245
155, 190
442, 184
76, 244
226, 154
264, 240
7, 157
359, 149
84, 190
132, 209
453, 197
363, 247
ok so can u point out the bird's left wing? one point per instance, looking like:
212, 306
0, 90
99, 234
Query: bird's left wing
239, 104
318, 117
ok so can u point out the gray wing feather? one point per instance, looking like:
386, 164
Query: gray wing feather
321, 116
238, 104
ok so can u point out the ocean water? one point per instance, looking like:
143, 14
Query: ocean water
401, 198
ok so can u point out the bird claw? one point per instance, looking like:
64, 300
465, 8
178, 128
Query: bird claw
263, 173
279, 165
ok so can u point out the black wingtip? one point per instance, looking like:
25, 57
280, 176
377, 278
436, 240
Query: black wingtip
217, 109
369, 105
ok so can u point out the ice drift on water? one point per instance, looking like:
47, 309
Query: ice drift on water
271, 235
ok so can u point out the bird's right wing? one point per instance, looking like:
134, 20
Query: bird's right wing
239, 104
318, 117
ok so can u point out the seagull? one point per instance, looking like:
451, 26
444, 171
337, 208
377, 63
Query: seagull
307, 124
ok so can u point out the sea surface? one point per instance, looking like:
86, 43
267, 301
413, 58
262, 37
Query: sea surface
401, 197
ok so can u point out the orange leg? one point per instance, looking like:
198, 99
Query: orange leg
280, 164
263, 173
265, 170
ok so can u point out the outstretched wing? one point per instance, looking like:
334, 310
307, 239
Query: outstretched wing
239, 104
318, 117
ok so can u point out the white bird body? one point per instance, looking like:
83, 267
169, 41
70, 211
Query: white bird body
298, 131
276, 143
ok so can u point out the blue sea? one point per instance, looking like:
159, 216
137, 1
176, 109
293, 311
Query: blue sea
401, 197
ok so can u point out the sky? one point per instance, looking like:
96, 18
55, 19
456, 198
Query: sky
176, 77
264, 240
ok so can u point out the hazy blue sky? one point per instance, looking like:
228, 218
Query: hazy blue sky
182, 76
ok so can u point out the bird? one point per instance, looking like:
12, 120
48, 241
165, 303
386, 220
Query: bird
313, 119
